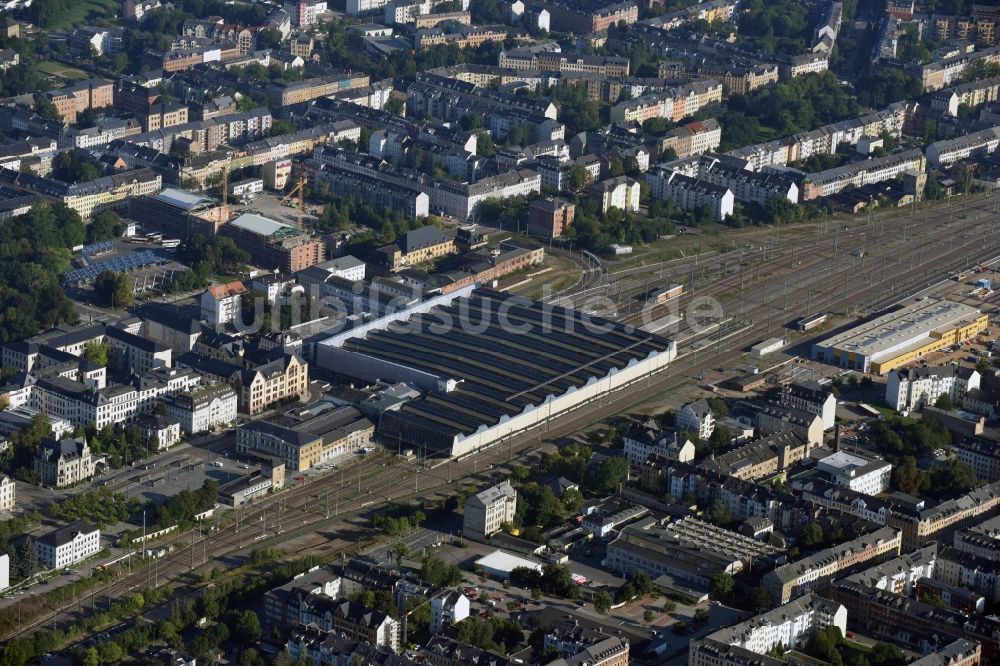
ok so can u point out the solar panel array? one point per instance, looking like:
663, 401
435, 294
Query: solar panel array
97, 248
123, 264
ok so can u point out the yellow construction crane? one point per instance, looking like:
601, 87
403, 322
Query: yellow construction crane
299, 188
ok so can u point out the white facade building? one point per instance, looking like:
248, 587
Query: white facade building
914, 388
870, 476
811, 397
204, 408
646, 439
621, 192
221, 304
790, 625
485, 512
697, 418
67, 545
447, 608
4, 572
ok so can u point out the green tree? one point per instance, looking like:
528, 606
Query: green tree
247, 629
720, 514
602, 602
96, 352
887, 654
701, 615
91, 657
579, 178
250, 657
111, 652
718, 407
812, 534
721, 437
906, 477
115, 289
27, 559
760, 599
401, 551
45, 108
944, 402
648, 616
722, 584
610, 474
107, 225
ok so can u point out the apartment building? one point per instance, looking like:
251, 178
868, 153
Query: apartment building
67, 545
914, 388
861, 173
281, 379
760, 458
691, 194
485, 512
861, 474
817, 570
673, 104
947, 152
459, 35
90, 197
8, 494
203, 409
775, 419
612, 651
982, 455
163, 115
621, 193
911, 622
448, 607
222, 304
550, 217
811, 397
586, 16
642, 440
967, 570
61, 463
273, 244
297, 92
697, 418
22, 354
701, 136
79, 96
323, 615
791, 625
135, 354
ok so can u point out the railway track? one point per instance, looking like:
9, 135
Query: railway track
372, 482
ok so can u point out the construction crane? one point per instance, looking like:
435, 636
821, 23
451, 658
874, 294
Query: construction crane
225, 187
299, 188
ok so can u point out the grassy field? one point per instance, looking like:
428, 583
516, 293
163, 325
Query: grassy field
83, 12
60, 70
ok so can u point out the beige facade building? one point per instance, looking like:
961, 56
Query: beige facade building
486, 512
8, 494
261, 387
810, 573
63, 463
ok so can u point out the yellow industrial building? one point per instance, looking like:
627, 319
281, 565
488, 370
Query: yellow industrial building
902, 336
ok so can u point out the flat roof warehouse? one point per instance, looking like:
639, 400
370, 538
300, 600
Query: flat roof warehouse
493, 364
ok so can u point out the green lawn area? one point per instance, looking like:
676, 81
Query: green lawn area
60, 70
82, 12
